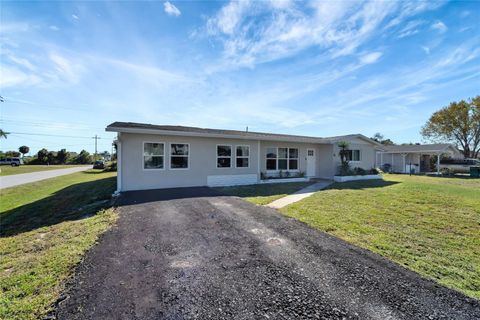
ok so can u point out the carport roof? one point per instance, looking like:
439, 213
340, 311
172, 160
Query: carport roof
421, 148
132, 127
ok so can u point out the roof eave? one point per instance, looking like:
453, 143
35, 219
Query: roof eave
215, 135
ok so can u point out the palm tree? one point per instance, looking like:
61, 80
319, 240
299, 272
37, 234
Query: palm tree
3, 134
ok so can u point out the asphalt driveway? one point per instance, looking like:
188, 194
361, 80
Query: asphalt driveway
191, 254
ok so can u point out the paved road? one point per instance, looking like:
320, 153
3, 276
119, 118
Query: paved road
18, 179
195, 255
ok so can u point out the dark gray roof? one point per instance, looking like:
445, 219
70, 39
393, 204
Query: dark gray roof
436, 147
237, 133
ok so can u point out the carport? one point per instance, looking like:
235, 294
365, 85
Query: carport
414, 158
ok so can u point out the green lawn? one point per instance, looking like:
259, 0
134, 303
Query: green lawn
8, 170
45, 228
262, 194
428, 224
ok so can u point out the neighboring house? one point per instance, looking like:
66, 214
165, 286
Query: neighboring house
414, 158
161, 156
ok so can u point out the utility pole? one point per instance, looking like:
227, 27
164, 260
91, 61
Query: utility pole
96, 138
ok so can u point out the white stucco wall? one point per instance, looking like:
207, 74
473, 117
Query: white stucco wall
202, 162
203, 169
367, 154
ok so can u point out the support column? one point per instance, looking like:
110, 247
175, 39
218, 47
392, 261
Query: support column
391, 170
404, 164
119, 165
438, 163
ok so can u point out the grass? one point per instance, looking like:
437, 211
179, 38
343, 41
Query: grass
46, 227
9, 170
430, 225
262, 194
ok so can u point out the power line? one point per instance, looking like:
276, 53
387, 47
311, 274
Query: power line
53, 135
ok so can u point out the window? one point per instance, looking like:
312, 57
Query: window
179, 155
242, 156
282, 159
271, 158
153, 155
353, 155
224, 156
292, 159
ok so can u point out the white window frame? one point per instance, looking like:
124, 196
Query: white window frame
242, 157
359, 155
288, 159
164, 156
170, 155
276, 159
224, 157
297, 158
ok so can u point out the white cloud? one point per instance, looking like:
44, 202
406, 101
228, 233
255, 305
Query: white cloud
256, 32
21, 61
410, 29
370, 57
439, 26
66, 69
54, 28
426, 49
13, 77
170, 9
74, 16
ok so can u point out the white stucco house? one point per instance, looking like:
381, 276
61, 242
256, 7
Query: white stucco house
164, 156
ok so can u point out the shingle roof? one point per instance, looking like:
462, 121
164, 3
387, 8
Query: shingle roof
236, 133
437, 147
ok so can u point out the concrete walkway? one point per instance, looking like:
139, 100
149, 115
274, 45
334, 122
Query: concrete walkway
300, 194
18, 179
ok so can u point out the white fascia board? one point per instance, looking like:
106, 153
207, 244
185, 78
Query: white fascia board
216, 135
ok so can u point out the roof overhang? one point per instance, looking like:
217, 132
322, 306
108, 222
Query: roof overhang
214, 135
250, 136
448, 148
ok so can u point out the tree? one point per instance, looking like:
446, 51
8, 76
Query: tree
343, 153
42, 156
83, 158
3, 134
51, 156
62, 156
12, 154
457, 123
23, 150
381, 139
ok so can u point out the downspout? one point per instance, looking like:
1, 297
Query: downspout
259, 174
119, 166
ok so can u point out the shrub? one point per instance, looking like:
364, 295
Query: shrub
112, 166
345, 170
374, 171
359, 171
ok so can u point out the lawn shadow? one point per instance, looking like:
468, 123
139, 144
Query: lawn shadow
362, 184
263, 190
70, 203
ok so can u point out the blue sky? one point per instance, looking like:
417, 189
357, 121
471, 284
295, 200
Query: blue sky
312, 68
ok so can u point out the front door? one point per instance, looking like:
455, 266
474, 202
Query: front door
310, 163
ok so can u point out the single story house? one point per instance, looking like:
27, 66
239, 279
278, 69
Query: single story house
164, 156
414, 158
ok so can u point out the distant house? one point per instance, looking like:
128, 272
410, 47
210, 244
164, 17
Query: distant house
161, 156
413, 158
